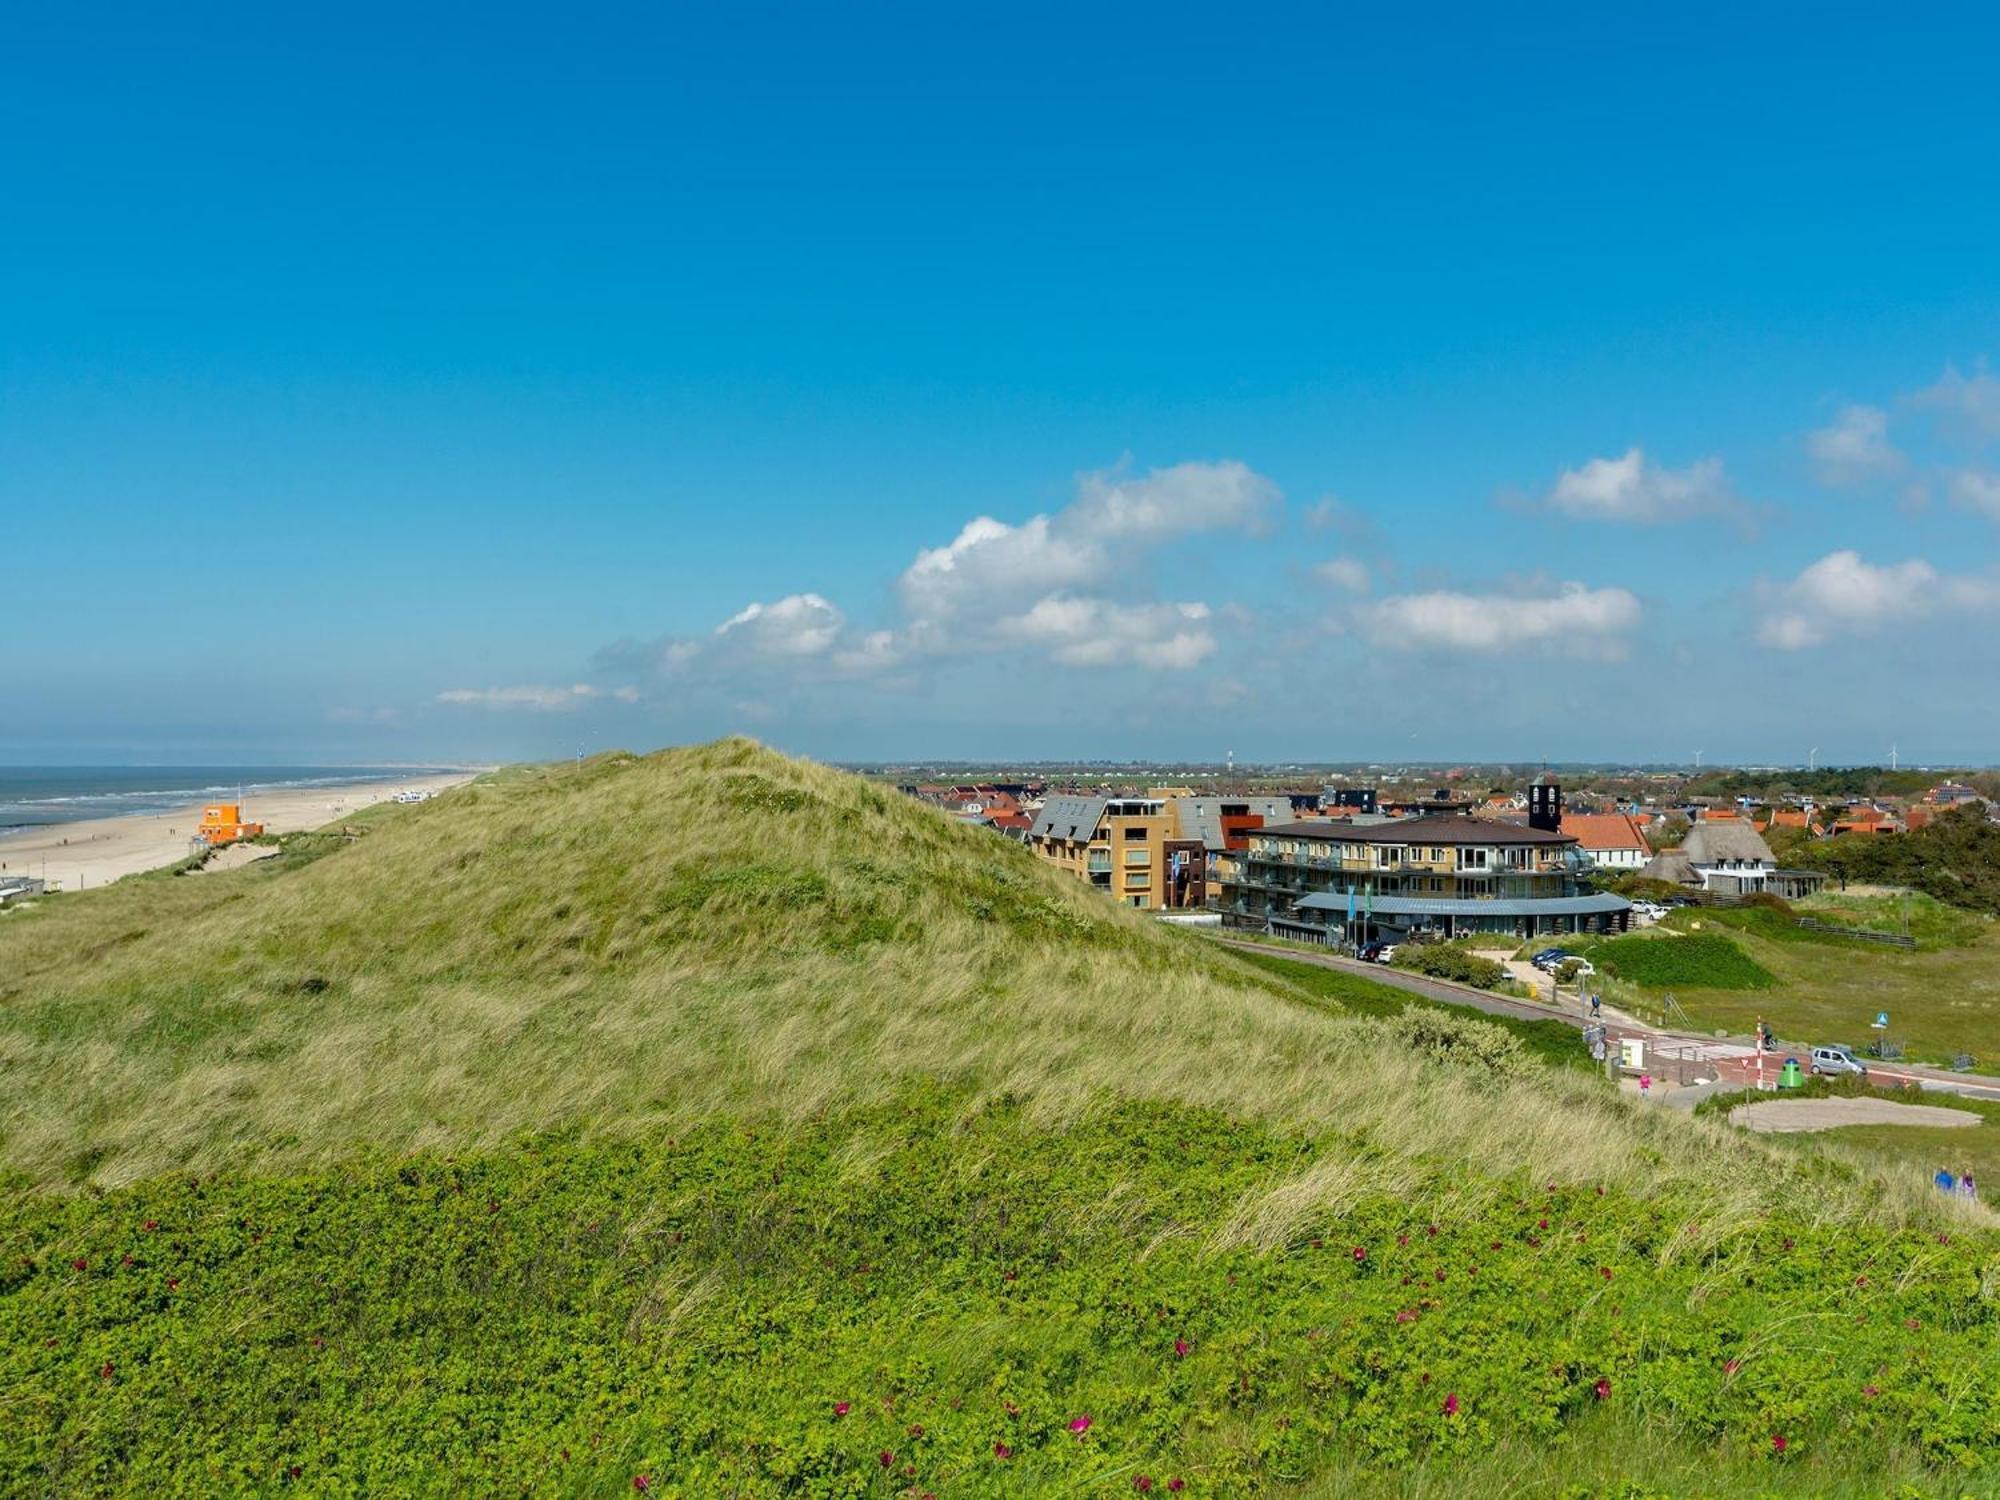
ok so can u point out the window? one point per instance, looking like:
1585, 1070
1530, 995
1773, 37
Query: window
1138, 882
1134, 831
1138, 856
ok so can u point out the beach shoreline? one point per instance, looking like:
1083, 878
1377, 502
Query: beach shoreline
86, 854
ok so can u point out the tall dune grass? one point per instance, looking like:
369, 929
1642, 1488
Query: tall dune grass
635, 942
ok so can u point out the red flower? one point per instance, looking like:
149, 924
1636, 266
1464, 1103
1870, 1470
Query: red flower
1141, 1483
1079, 1424
1603, 1390
1359, 1255
1542, 1223
152, 1224
842, 1408
642, 1483
1177, 1484
1001, 1450
173, 1283
105, 1373
1180, 1348
1605, 1272
1778, 1444
1730, 1367
1870, 1391
81, 1264
888, 1458
1861, 1281
1451, 1404
1431, 1230
1402, 1239
1944, 1239
1407, 1315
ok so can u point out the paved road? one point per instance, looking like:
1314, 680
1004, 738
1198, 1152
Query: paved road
1733, 1058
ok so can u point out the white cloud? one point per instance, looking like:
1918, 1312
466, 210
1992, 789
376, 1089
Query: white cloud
1633, 488
1348, 574
1855, 447
1573, 621
1079, 631
1970, 403
541, 700
1842, 594
796, 625
1179, 501
990, 562
1977, 489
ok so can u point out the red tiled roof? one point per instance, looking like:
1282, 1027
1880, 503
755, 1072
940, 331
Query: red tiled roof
1605, 831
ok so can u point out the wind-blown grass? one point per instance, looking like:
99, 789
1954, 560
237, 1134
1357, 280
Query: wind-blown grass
623, 1114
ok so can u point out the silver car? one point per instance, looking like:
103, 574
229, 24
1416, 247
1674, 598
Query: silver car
1834, 1060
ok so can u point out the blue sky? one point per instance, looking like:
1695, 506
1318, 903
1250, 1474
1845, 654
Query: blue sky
396, 385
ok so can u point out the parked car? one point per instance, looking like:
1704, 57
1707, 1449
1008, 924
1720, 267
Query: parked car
1370, 952
1386, 954
1548, 958
1834, 1060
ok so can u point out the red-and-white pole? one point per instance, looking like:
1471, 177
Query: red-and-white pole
1760, 1054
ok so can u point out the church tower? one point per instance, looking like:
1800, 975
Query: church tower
1545, 804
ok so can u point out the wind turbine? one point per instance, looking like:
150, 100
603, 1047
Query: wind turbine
1812, 759
1697, 760
1892, 755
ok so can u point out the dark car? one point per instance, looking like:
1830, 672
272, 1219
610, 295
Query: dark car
1548, 958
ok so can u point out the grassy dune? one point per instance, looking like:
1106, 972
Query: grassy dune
723, 1121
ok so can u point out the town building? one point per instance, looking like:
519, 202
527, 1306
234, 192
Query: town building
1730, 858
1155, 853
1613, 841
1442, 874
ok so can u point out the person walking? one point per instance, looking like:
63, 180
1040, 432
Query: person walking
1944, 1181
1967, 1188
1645, 1085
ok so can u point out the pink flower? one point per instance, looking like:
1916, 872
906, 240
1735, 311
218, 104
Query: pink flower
1431, 1230
1603, 1390
842, 1408
1079, 1424
1778, 1444
1451, 1404
888, 1458
1402, 1239
642, 1483
1731, 1366
1141, 1483
1542, 1223
1177, 1484
1180, 1348
1002, 1451
1871, 1392
1407, 1315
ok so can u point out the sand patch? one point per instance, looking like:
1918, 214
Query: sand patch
1830, 1114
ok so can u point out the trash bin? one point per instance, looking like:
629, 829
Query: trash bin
1790, 1078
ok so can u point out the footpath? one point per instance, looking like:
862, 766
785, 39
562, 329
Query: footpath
1690, 1065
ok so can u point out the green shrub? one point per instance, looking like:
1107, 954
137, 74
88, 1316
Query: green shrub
752, 1312
1447, 961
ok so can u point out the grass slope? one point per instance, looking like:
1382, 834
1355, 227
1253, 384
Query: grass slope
629, 1119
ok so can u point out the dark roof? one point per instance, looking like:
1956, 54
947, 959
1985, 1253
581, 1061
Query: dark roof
1593, 904
1071, 819
1435, 830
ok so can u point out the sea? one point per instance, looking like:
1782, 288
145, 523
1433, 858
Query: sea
35, 796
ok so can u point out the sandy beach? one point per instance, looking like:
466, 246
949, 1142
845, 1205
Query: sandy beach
85, 855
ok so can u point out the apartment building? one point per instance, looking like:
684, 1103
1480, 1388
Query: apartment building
1444, 874
1166, 853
